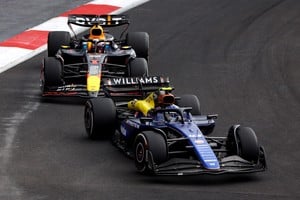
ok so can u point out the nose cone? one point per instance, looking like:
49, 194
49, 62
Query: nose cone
93, 85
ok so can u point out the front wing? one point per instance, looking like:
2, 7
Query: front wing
228, 165
68, 91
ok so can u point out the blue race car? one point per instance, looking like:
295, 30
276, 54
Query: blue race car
169, 136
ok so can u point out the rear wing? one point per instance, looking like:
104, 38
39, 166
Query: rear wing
103, 20
133, 86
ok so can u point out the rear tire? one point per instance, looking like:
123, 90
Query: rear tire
52, 73
190, 100
56, 39
139, 41
100, 118
138, 67
153, 142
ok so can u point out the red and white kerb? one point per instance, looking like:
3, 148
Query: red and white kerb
33, 41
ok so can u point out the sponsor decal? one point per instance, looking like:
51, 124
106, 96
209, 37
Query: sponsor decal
93, 83
66, 88
195, 135
82, 20
211, 163
87, 20
199, 141
94, 62
133, 80
133, 124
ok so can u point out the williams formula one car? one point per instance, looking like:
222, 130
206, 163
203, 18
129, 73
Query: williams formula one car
169, 136
75, 66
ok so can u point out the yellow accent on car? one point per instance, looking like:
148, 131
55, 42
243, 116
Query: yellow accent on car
65, 47
166, 88
89, 46
126, 47
93, 83
108, 19
143, 106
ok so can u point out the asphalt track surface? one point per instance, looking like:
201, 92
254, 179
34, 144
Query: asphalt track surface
241, 58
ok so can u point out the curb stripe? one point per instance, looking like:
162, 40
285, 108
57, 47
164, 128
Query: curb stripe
96, 9
31, 39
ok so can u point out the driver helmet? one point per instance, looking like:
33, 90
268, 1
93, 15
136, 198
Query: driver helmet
164, 97
96, 33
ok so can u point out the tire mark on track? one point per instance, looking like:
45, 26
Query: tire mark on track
8, 188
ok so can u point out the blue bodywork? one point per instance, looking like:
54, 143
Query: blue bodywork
186, 127
202, 149
190, 151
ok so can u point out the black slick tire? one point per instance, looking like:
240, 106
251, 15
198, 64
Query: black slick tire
56, 39
52, 73
248, 147
100, 118
139, 41
138, 67
190, 100
155, 144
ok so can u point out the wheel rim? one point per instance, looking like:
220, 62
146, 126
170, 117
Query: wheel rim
140, 152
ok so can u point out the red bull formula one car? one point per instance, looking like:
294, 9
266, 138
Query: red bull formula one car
169, 136
75, 66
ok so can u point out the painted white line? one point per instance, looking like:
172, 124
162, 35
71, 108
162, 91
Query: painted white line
12, 56
54, 24
58, 24
9, 55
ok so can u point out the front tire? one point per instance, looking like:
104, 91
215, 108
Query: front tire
242, 141
100, 118
155, 144
247, 143
52, 73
